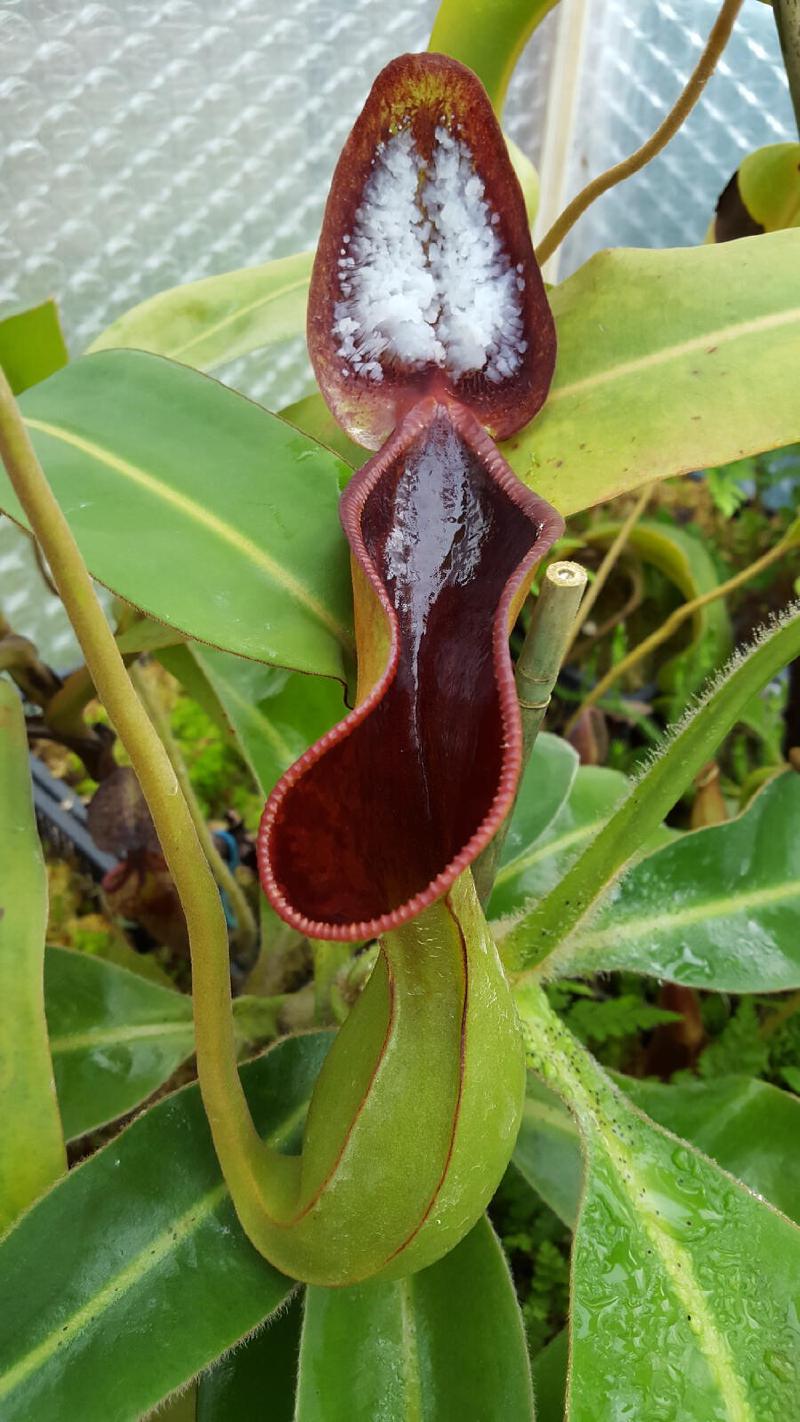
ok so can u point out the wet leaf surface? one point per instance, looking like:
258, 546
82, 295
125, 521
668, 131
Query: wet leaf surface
714, 909
670, 1315
141, 1242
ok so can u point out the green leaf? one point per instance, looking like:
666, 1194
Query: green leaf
487, 38
527, 175
763, 193
539, 866
714, 909
133, 1273
547, 1153
219, 318
749, 1128
738, 1049
670, 1254
696, 1248
550, 1379
543, 790
144, 635
31, 1141
272, 717
614, 1018
32, 345
197, 506
115, 1037
263, 1367
182, 1407
637, 398
540, 932
312, 416
668, 361
446, 1343
685, 561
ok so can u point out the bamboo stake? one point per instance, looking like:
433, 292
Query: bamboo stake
536, 673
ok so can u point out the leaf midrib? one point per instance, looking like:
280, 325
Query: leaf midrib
114, 1036
679, 1268
604, 1134
224, 531
728, 906
143, 1263
237, 315
547, 851
412, 1391
722, 336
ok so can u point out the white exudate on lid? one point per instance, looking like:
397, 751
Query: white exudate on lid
423, 276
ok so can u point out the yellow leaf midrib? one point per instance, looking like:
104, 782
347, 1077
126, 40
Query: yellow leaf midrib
724, 335
155, 1250
224, 531
236, 315
725, 906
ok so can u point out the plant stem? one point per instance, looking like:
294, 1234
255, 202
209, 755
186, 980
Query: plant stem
328, 959
706, 64
246, 935
538, 939
43, 569
787, 19
20, 658
676, 620
536, 673
606, 567
237, 1143
788, 1008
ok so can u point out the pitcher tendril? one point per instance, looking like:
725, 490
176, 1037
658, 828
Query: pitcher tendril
428, 327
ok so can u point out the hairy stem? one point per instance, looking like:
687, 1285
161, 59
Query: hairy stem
246, 935
675, 620
788, 1008
536, 673
538, 939
235, 1137
706, 64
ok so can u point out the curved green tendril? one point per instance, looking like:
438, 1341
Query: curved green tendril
398, 1159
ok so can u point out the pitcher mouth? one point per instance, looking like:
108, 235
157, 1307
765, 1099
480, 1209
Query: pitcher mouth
379, 818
